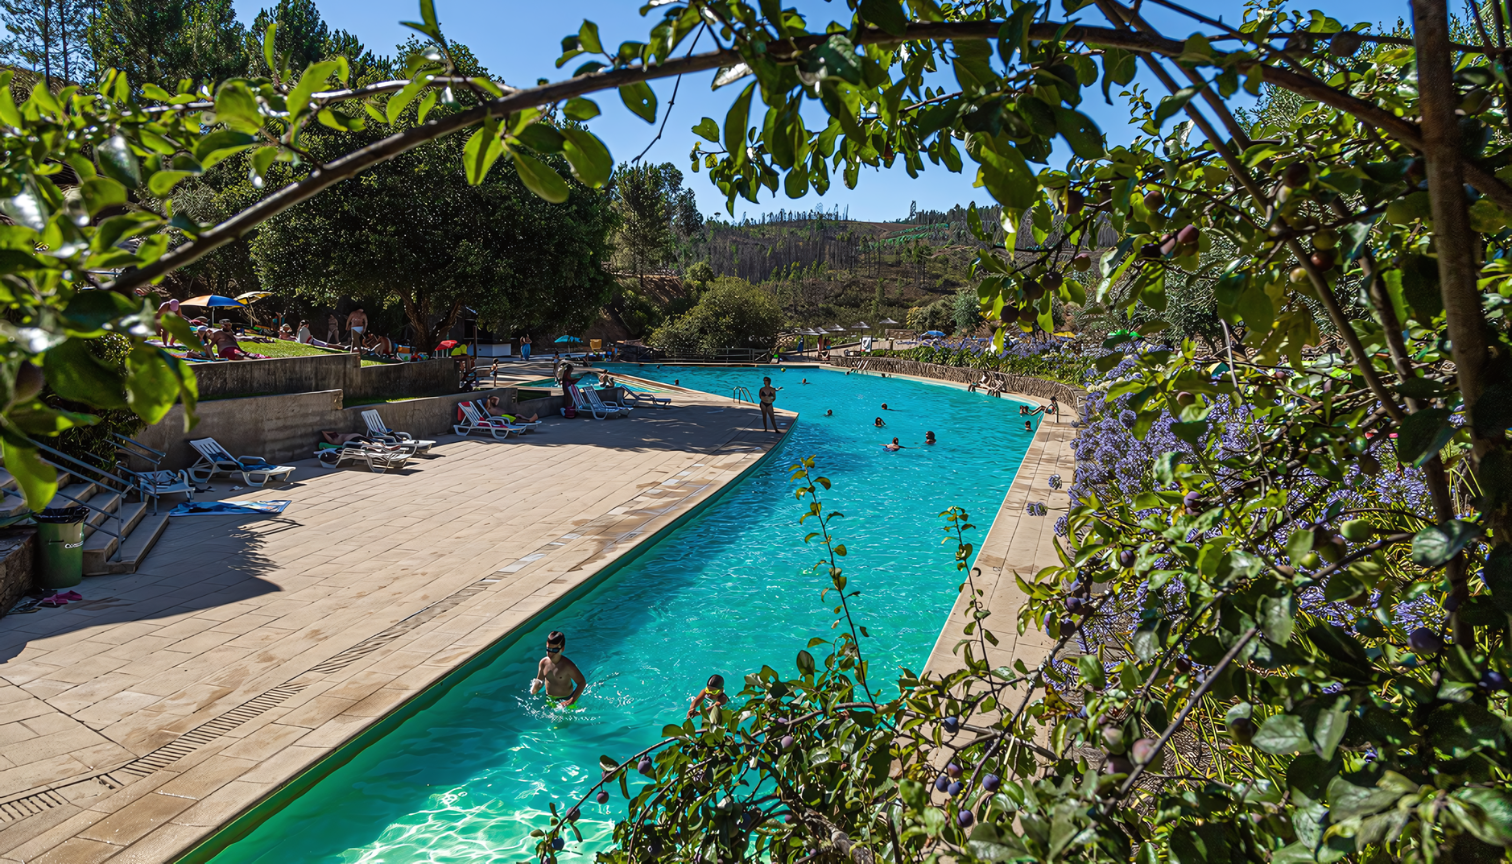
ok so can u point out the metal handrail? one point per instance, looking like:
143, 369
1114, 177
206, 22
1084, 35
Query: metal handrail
120, 522
142, 451
738, 391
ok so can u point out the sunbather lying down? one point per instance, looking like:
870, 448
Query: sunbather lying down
492, 407
366, 442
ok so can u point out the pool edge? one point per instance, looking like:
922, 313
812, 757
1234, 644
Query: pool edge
247, 820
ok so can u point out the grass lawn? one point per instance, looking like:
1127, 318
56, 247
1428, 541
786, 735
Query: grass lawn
282, 348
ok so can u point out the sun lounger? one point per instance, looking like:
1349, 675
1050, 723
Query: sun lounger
643, 398
377, 427
580, 401
377, 457
215, 459
474, 421
597, 401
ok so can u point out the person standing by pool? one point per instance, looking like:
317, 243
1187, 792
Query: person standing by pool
333, 329
163, 335
768, 395
564, 379
561, 677
525, 347
357, 324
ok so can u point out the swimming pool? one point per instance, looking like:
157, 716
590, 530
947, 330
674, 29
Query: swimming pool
589, 380
467, 778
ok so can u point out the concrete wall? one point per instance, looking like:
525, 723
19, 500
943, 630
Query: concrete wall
18, 552
325, 372
1028, 386
287, 427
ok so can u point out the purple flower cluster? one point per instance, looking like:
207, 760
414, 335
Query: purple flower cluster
1035, 508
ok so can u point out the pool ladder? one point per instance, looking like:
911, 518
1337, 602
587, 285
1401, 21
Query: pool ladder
741, 394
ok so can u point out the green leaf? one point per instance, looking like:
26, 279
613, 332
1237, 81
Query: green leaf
588, 38
835, 57
581, 109
1327, 727
1173, 103
162, 182
118, 162
481, 150
1276, 613
1257, 309
1423, 434
805, 663
541, 138
640, 99
236, 107
540, 178
886, 14
152, 385
37, 479
88, 313
1436, 545
427, 102
401, 100
1013, 35
736, 120
102, 192
270, 52
74, 373
262, 159
589, 158
1281, 734
973, 65
707, 129
1080, 132
1460, 729
221, 145
1093, 675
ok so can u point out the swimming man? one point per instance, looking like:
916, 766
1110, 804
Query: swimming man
561, 677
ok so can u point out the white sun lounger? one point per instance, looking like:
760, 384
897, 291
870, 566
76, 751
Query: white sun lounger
580, 400
598, 405
377, 460
643, 398
474, 421
377, 427
595, 396
215, 459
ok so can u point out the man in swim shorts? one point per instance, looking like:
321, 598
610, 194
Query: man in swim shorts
767, 394
357, 324
561, 677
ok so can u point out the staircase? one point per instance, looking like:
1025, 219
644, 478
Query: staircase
112, 525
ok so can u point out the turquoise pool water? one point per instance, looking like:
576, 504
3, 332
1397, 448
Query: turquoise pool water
590, 380
466, 779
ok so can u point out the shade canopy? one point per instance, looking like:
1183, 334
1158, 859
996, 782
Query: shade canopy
935, 333
211, 300
888, 321
568, 339
861, 326
253, 296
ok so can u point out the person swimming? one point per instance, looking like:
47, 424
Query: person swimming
805, 380
929, 438
561, 678
830, 413
893, 446
713, 693
1028, 425
879, 424
884, 406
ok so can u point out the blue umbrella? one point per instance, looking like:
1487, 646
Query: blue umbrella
212, 301
935, 333
568, 339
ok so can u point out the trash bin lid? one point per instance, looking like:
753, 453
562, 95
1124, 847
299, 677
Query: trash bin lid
61, 515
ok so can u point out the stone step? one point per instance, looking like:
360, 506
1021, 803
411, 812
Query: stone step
144, 535
73, 494
100, 546
104, 503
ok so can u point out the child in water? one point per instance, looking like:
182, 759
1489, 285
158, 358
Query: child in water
879, 424
713, 692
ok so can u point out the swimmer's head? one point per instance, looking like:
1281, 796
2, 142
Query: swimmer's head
716, 682
884, 406
556, 640
1028, 426
929, 436
895, 440
830, 413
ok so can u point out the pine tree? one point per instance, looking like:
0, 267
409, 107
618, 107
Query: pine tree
302, 37
166, 41
48, 36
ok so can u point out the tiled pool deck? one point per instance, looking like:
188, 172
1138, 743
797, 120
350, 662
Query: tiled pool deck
135, 723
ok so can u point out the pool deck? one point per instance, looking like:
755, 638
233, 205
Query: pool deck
135, 723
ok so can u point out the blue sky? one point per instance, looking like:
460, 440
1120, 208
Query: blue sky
520, 41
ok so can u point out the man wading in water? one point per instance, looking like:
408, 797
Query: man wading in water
561, 677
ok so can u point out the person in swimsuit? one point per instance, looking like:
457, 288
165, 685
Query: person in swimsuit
333, 329
561, 677
713, 693
525, 346
929, 438
879, 424
163, 335
1028, 425
767, 394
357, 323
894, 445
226, 344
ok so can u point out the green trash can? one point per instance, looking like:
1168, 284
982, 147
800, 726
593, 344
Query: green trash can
60, 542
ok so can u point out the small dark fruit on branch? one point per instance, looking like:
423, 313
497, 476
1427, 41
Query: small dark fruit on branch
1075, 201
1052, 280
1028, 314
1150, 250
1185, 399
558, 843
1168, 244
953, 769
644, 767
951, 724
602, 797
1113, 739
954, 788
1370, 466
942, 783
1082, 262
965, 819
1126, 558
1076, 606
787, 742
29, 381
1426, 641
1242, 730
1182, 664
1493, 680
1189, 235
1144, 753
1323, 259
1117, 765
992, 782
1033, 289
1296, 174
573, 814
1416, 171
1192, 501
1155, 200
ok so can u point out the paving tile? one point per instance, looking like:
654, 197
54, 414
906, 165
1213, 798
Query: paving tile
136, 819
